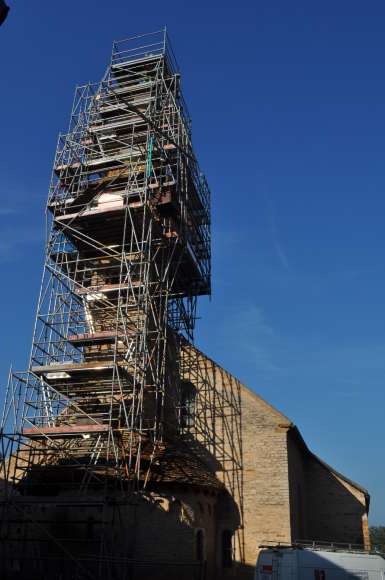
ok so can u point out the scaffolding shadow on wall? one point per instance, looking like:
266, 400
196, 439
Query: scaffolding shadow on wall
211, 423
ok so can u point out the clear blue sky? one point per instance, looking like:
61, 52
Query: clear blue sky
288, 107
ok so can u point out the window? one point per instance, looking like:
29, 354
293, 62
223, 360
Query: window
200, 545
187, 405
227, 548
90, 531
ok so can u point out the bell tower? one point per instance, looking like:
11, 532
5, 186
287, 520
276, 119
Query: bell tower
127, 256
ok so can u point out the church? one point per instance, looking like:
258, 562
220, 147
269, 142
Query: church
240, 477
126, 453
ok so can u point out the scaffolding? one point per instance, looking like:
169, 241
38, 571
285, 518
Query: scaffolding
212, 425
127, 256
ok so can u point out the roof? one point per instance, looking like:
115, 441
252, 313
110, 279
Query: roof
328, 467
171, 464
284, 421
176, 465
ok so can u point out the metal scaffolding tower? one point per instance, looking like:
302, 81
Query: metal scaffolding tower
127, 256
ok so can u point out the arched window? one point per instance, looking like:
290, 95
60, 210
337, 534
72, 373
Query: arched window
227, 548
200, 545
187, 405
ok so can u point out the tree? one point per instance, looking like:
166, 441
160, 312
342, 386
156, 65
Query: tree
3, 11
377, 538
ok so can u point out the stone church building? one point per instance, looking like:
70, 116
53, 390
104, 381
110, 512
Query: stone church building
285, 493
239, 476
126, 453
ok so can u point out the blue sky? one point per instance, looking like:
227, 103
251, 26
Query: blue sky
288, 108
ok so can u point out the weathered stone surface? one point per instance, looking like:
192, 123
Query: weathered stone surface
277, 491
288, 493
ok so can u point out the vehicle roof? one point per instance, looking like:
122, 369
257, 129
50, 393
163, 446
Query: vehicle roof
319, 558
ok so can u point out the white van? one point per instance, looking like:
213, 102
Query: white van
302, 563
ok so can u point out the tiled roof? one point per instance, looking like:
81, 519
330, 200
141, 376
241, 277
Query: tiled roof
178, 465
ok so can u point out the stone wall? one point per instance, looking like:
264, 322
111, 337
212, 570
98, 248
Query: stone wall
277, 491
287, 493
336, 509
325, 505
266, 479
152, 537
298, 490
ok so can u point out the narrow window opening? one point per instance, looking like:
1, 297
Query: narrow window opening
90, 531
187, 406
227, 548
200, 545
